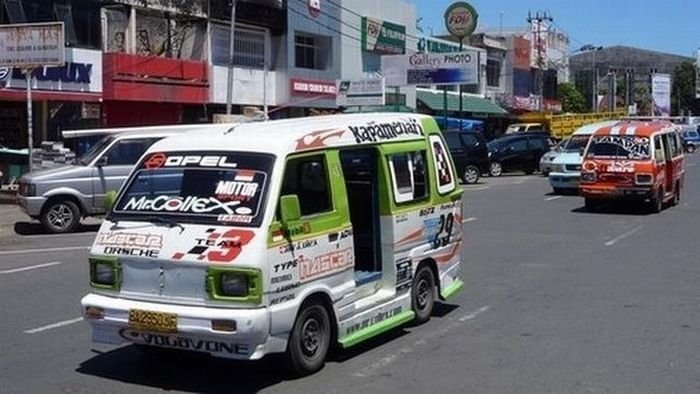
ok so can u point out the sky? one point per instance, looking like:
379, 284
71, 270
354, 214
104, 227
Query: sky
671, 26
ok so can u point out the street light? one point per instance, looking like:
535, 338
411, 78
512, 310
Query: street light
594, 72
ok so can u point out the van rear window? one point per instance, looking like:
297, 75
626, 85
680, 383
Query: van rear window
619, 146
206, 187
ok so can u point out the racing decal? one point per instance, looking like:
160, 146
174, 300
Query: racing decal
130, 244
373, 132
318, 139
450, 254
325, 264
175, 341
374, 319
412, 237
217, 247
187, 204
299, 245
632, 147
621, 166
158, 160
404, 274
443, 165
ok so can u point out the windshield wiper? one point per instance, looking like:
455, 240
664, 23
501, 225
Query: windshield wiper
170, 223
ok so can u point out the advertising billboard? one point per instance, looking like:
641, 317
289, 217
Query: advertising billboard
521, 53
661, 94
454, 68
30, 45
361, 92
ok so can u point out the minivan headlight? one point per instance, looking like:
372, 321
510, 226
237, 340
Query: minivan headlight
588, 177
234, 284
105, 273
644, 179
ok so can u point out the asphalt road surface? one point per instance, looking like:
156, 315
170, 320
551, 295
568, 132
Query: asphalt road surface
557, 300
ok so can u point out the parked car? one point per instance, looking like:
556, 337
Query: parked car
566, 168
691, 139
524, 127
517, 152
470, 153
60, 197
547, 159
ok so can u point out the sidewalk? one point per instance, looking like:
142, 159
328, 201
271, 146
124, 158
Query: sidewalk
9, 215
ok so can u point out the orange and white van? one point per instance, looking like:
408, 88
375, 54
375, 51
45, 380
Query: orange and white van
634, 161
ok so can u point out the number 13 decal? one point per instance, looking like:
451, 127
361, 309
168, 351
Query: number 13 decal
442, 237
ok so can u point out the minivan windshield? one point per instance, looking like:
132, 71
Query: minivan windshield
90, 155
576, 142
619, 147
198, 187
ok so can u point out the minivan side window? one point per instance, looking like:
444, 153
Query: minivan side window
128, 151
659, 150
307, 177
409, 176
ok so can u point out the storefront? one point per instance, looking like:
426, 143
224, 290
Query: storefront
66, 97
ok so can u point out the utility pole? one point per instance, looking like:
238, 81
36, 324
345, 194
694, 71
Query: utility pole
536, 24
231, 48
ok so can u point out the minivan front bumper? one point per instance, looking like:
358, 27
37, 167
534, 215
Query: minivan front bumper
249, 341
616, 192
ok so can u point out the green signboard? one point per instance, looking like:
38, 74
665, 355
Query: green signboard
383, 37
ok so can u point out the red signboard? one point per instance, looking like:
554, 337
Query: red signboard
521, 51
307, 87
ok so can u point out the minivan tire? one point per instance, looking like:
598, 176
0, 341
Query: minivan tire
656, 203
423, 294
690, 148
495, 169
470, 175
309, 341
60, 216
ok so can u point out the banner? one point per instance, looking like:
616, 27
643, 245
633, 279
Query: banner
383, 37
661, 94
455, 68
362, 92
521, 53
31, 45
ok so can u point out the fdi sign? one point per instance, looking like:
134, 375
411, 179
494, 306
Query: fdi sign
461, 19
362, 92
383, 37
30, 45
456, 68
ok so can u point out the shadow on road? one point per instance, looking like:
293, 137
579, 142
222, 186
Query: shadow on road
616, 208
197, 372
29, 228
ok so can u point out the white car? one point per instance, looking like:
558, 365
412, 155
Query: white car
566, 166
547, 159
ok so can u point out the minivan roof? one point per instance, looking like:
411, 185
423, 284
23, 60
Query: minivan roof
299, 134
143, 130
591, 128
636, 128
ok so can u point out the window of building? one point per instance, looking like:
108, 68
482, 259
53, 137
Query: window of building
409, 176
249, 46
172, 37
311, 51
307, 178
493, 72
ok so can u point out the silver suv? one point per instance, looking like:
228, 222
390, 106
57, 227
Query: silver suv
60, 197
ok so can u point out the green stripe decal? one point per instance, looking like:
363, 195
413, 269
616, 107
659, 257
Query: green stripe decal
452, 289
374, 330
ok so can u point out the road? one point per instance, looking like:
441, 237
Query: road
556, 300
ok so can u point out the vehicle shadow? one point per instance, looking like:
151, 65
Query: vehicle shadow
30, 228
199, 372
616, 208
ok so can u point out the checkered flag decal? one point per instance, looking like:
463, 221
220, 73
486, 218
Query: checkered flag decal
199, 250
443, 165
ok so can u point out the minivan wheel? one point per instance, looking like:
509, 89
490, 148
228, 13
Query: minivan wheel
677, 195
495, 169
657, 203
690, 148
423, 294
60, 216
470, 175
310, 340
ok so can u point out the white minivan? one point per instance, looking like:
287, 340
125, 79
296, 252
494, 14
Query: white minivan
565, 169
279, 237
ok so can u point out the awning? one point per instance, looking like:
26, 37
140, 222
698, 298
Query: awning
378, 108
434, 99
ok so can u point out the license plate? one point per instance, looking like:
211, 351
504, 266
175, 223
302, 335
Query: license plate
152, 321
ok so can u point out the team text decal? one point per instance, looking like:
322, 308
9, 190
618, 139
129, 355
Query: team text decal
218, 247
130, 244
374, 132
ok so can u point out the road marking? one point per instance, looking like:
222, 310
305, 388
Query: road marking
9, 252
467, 220
31, 267
54, 325
623, 236
477, 188
413, 347
88, 233
552, 198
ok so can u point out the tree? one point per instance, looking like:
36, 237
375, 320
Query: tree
571, 99
683, 99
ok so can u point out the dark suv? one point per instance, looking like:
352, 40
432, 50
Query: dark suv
470, 153
520, 151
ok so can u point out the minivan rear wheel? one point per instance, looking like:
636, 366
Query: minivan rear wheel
60, 216
470, 175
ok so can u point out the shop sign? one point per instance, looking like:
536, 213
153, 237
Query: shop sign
384, 37
82, 72
431, 69
461, 19
361, 92
433, 45
31, 45
312, 87
79, 73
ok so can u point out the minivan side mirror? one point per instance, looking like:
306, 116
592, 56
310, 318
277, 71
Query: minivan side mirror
110, 200
102, 161
290, 210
